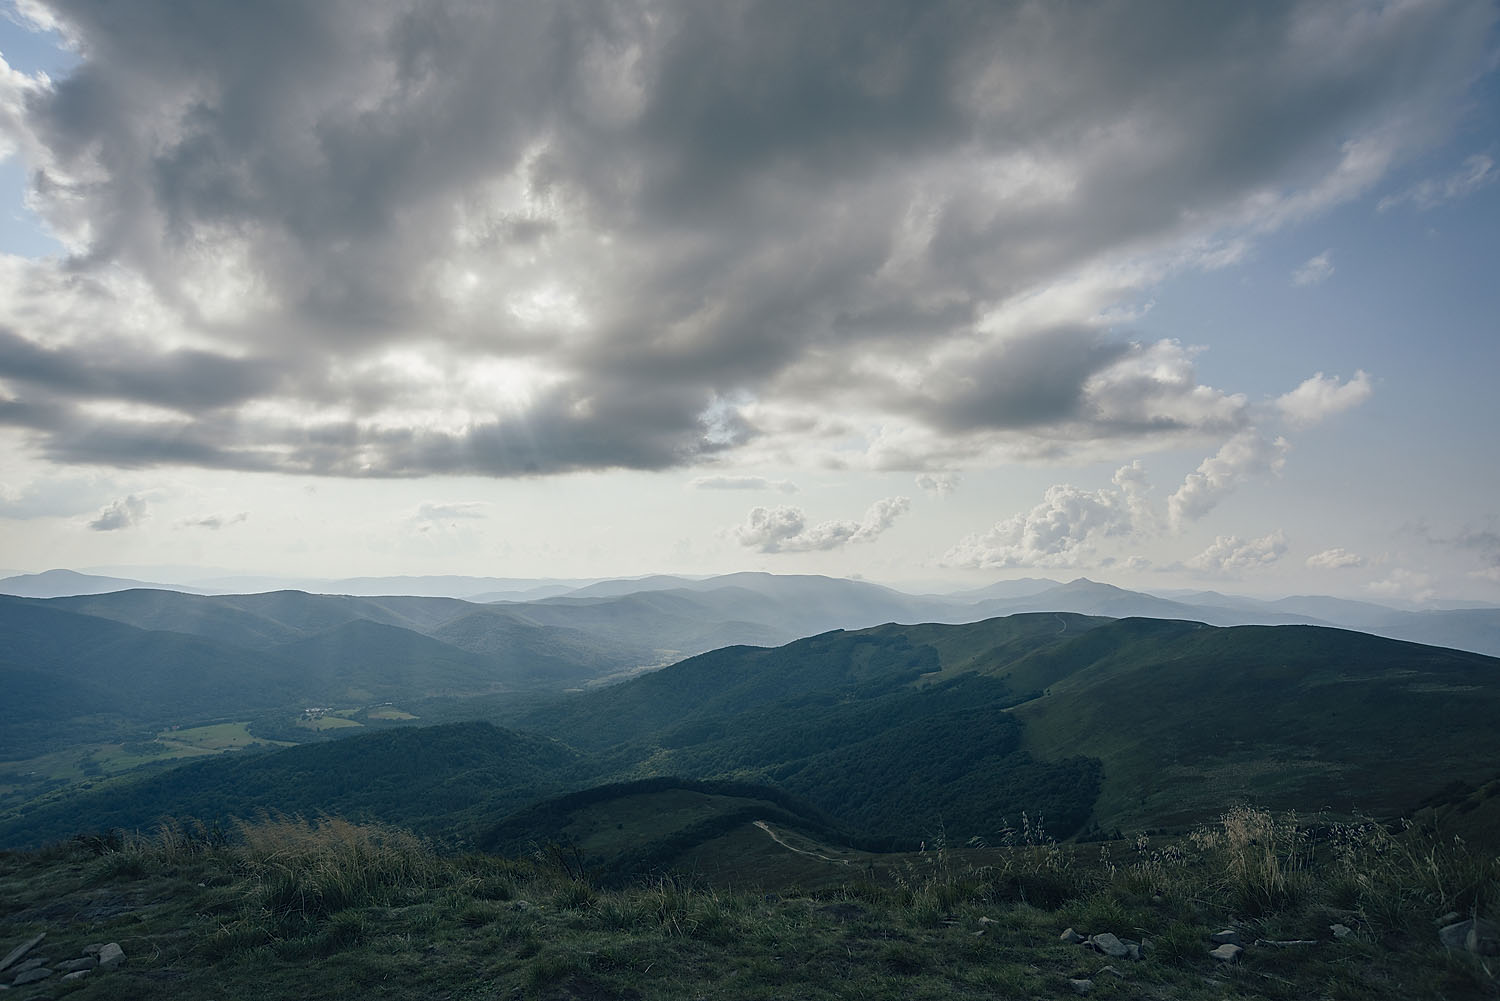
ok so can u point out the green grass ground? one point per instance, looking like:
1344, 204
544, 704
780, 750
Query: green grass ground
333, 910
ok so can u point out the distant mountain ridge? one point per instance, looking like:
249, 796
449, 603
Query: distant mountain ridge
691, 615
1082, 723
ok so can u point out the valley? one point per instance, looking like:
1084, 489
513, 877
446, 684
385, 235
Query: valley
867, 779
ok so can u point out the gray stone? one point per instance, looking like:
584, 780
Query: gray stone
72, 965
1447, 919
1226, 937
1341, 930
1475, 935
1483, 938
1081, 986
30, 964
1071, 937
21, 950
1228, 952
111, 956
76, 974
1108, 944
1132, 950
92, 949
1453, 936
32, 976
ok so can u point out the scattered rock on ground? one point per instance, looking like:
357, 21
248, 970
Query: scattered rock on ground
111, 955
1228, 952
21, 950
32, 976
1474, 935
1226, 937
76, 974
1071, 937
1111, 945
1081, 986
1483, 938
74, 965
1341, 930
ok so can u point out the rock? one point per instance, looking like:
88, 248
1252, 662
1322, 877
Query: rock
21, 950
1228, 952
1474, 935
1071, 937
1108, 944
1447, 919
110, 956
30, 964
1341, 931
1453, 936
76, 974
1111, 969
92, 949
1483, 938
74, 965
1081, 986
1226, 937
32, 976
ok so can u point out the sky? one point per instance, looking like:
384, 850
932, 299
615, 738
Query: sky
1163, 294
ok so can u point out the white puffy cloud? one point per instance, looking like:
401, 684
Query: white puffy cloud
1314, 271
1230, 553
1063, 530
214, 522
1335, 559
722, 482
1476, 172
1410, 585
785, 529
451, 511
127, 512
941, 484
1246, 455
1320, 396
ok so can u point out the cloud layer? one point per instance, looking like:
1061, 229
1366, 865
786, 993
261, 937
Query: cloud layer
402, 238
785, 529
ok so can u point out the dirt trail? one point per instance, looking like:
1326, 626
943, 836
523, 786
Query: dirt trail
800, 851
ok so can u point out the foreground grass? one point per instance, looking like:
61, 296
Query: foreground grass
287, 907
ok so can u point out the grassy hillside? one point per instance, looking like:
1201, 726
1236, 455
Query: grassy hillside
911, 733
617, 832
449, 782
1188, 717
289, 908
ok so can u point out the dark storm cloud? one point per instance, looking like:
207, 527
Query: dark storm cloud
189, 380
658, 215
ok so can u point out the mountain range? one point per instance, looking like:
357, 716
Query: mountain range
682, 615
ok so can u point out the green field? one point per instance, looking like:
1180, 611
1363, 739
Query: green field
327, 723
89, 761
389, 712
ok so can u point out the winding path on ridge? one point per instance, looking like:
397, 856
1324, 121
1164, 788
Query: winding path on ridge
800, 851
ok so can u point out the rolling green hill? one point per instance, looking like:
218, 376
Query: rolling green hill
905, 733
625, 829
1187, 717
449, 782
